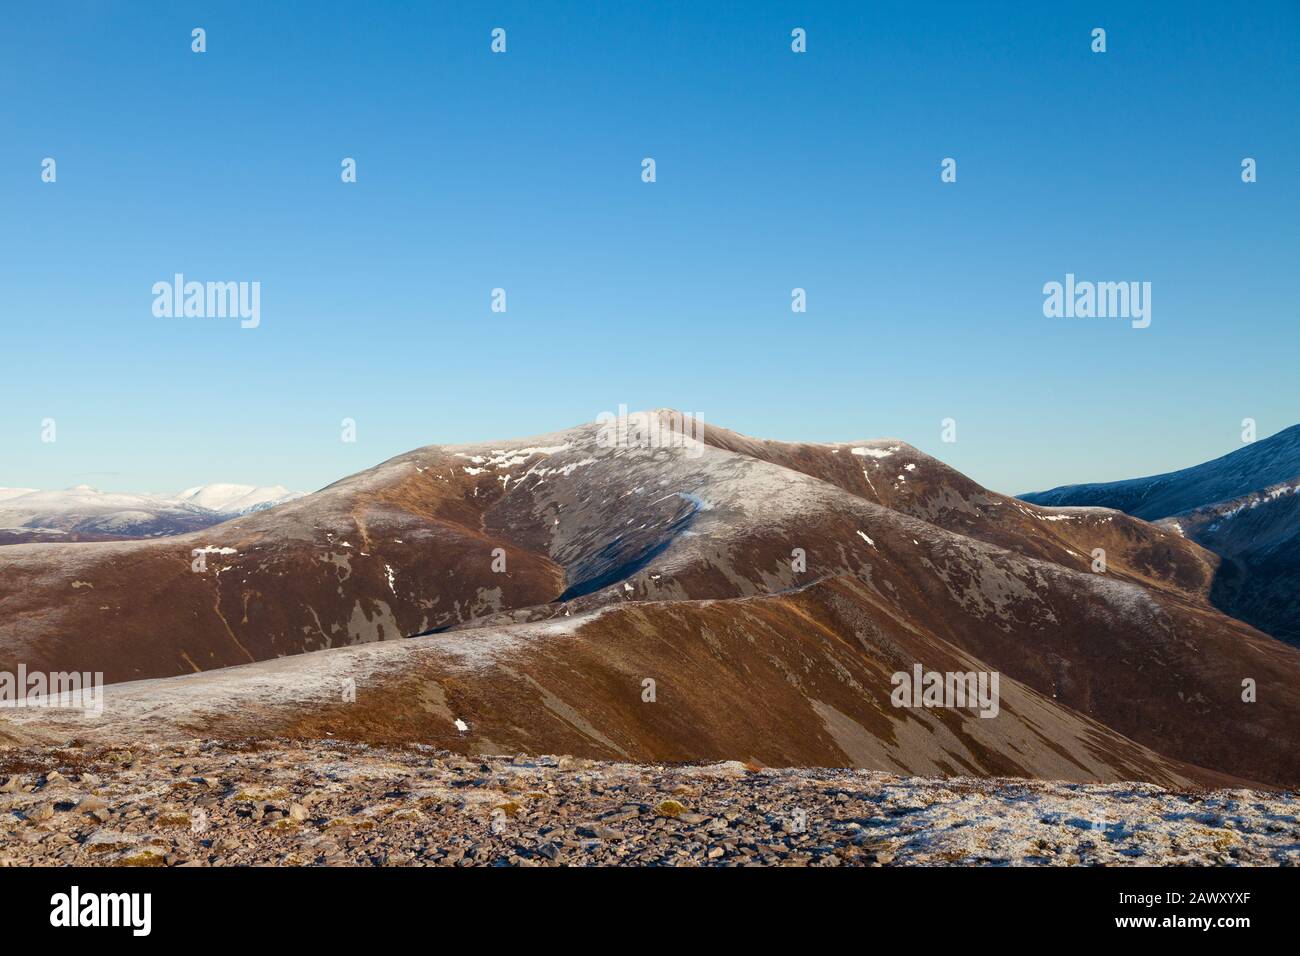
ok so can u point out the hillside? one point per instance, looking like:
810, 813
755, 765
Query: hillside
1242, 507
675, 564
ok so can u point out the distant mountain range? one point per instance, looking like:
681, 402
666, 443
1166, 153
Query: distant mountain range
711, 596
1243, 507
84, 513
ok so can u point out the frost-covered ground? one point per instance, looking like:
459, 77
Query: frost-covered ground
330, 803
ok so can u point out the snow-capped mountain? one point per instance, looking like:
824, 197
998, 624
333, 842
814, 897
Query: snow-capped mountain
1259, 465
771, 592
86, 513
1243, 507
233, 500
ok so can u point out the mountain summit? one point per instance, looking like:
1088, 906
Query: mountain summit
705, 595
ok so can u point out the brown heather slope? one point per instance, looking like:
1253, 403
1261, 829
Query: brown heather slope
686, 552
896, 475
789, 680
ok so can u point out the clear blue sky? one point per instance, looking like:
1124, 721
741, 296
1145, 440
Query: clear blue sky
522, 171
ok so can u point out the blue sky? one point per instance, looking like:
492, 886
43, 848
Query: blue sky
522, 171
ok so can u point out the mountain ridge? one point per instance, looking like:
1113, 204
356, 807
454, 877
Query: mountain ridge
1242, 507
769, 588
1267, 461
84, 513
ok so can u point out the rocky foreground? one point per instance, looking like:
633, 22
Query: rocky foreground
329, 803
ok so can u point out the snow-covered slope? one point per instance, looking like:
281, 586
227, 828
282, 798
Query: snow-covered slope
1243, 507
771, 590
83, 512
1261, 464
1259, 536
236, 499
